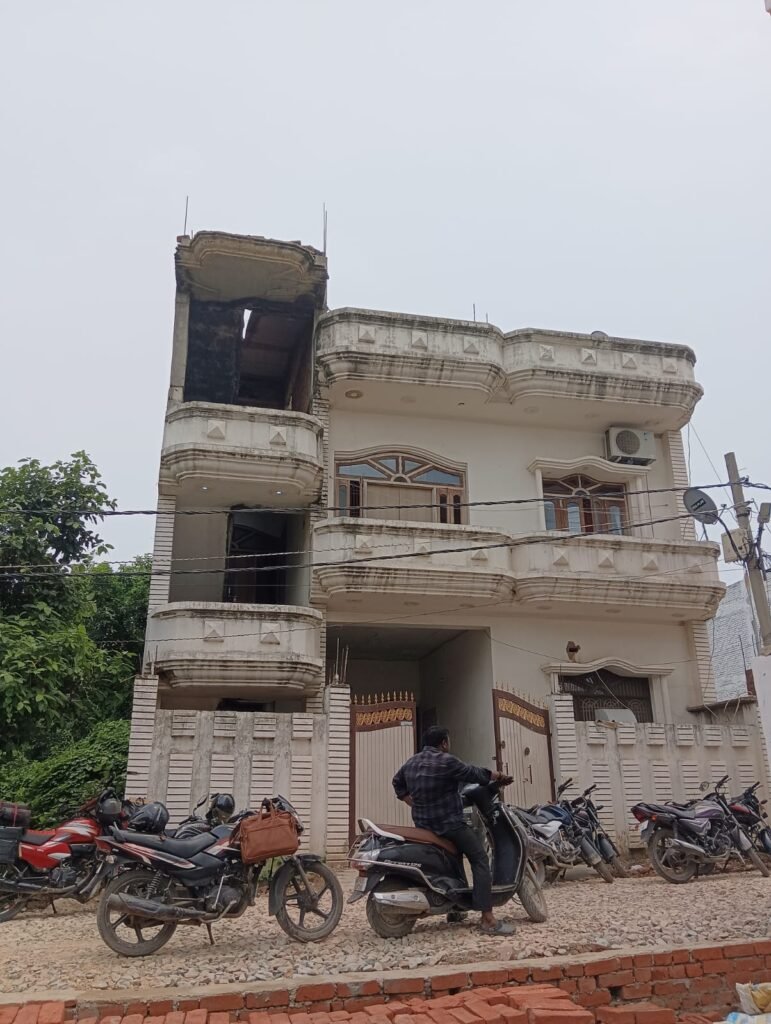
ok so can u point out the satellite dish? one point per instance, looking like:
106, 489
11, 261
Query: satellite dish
701, 506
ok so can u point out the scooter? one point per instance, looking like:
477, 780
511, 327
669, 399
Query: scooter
409, 873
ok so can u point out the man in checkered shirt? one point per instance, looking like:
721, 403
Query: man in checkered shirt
430, 784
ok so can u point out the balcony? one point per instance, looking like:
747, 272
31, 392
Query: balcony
239, 453
385, 564
554, 378
402, 563
258, 652
633, 577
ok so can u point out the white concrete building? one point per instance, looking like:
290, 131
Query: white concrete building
369, 522
735, 639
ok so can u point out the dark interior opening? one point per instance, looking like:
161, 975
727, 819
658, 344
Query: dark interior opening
250, 353
266, 558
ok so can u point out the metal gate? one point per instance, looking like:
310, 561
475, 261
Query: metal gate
523, 748
383, 731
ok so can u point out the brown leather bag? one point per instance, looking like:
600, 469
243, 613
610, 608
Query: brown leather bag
268, 833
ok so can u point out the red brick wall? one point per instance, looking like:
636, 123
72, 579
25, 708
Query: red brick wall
700, 980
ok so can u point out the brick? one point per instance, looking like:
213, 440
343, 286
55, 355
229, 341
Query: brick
659, 974
546, 973
403, 986
670, 988
226, 1001
340, 1015
763, 948
569, 985
677, 972
643, 974
662, 959
139, 1007
616, 979
602, 967
138, 1018
519, 974
151, 1020
51, 1013
572, 1015
587, 985
7, 1013
599, 998
483, 1011
489, 977
356, 1007
694, 970
218, 1017
191, 1017
615, 1015
513, 1016
314, 993
573, 971
187, 1005
681, 956
160, 1008
640, 990
649, 1013
709, 983
462, 1015
442, 982
708, 953
175, 1017
295, 1018
109, 1013
643, 960
441, 1016
261, 1000
734, 949
28, 1014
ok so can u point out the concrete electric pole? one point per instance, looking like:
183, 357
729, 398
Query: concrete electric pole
753, 561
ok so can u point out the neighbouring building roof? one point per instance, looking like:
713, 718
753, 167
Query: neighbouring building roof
734, 636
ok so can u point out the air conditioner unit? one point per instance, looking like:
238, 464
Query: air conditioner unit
630, 446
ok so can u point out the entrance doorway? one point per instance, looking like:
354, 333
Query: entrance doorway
437, 675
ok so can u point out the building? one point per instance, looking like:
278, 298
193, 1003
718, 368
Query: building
735, 639
369, 522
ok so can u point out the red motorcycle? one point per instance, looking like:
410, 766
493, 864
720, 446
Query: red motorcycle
55, 863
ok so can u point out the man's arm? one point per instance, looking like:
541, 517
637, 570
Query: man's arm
462, 772
400, 787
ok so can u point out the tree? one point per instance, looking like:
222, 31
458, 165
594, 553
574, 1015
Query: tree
60, 671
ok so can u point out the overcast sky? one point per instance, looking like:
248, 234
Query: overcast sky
577, 164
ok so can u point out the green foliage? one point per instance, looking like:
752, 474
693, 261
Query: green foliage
119, 600
70, 776
58, 507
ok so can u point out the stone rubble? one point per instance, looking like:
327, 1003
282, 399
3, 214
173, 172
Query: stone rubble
40, 951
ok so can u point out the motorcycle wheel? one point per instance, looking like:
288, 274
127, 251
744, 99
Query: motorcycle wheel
384, 922
532, 898
756, 861
672, 867
540, 873
619, 868
707, 869
324, 903
604, 870
11, 904
149, 935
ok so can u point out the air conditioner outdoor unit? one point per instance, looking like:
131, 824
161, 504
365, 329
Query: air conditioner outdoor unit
632, 447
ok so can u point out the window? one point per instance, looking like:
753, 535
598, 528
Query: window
579, 504
604, 689
392, 485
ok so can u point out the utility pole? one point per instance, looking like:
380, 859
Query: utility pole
754, 572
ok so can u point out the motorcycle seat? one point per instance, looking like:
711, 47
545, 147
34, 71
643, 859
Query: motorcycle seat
176, 847
678, 812
533, 819
36, 838
421, 835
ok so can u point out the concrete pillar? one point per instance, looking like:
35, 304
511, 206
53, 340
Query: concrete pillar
142, 736
338, 709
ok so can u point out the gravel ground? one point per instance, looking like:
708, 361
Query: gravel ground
39, 951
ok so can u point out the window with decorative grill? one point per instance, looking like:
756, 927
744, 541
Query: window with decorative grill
606, 690
579, 504
395, 485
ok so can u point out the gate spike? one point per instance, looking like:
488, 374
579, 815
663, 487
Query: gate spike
389, 696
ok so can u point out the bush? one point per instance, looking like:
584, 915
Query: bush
70, 776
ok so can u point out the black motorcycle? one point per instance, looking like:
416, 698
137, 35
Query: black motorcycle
161, 882
587, 816
750, 812
567, 831
686, 840
410, 873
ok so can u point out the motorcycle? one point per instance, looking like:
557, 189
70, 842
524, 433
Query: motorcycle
749, 812
409, 873
684, 840
160, 882
587, 816
55, 863
567, 830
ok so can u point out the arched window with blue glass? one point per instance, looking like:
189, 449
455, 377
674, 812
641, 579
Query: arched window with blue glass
578, 504
402, 484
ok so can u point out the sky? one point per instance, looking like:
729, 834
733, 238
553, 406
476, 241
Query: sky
591, 165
